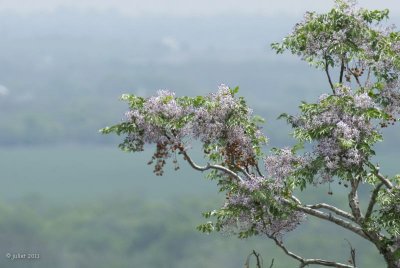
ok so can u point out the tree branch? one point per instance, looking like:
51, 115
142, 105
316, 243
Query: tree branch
304, 262
272, 263
357, 80
295, 199
258, 170
209, 166
382, 178
352, 254
310, 210
329, 76
353, 200
342, 67
372, 201
244, 172
259, 260
339, 212
372, 237
355, 76
329, 217
368, 76
385, 181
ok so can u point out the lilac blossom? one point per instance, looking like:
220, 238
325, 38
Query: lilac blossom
391, 97
347, 127
249, 217
254, 183
171, 123
345, 130
210, 122
282, 165
363, 101
164, 104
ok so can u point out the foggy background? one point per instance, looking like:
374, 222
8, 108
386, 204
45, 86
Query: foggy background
67, 192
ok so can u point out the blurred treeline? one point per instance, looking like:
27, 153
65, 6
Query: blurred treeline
61, 73
68, 193
121, 231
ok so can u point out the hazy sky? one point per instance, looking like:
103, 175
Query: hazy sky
189, 7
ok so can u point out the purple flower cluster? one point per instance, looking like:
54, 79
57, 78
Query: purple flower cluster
345, 130
255, 214
278, 227
349, 36
385, 63
254, 183
391, 97
172, 122
363, 101
348, 6
317, 43
162, 105
282, 165
210, 121
347, 127
258, 217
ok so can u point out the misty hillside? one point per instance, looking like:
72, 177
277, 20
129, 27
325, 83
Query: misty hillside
61, 73
78, 64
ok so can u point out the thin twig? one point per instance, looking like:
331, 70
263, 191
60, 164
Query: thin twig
329, 217
258, 259
353, 200
368, 77
209, 166
387, 183
342, 67
352, 254
382, 178
258, 171
357, 80
372, 201
355, 76
329, 76
295, 199
244, 172
272, 263
304, 262
333, 209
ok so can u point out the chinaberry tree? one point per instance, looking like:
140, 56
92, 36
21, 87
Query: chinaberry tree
361, 60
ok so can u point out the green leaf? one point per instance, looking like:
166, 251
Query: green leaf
346, 144
234, 90
206, 227
397, 254
297, 147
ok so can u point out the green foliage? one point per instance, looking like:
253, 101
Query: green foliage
133, 218
240, 116
389, 213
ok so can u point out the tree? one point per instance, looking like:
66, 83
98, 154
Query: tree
335, 135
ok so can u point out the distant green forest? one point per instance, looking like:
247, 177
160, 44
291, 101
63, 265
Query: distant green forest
121, 231
65, 85
70, 195
91, 206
